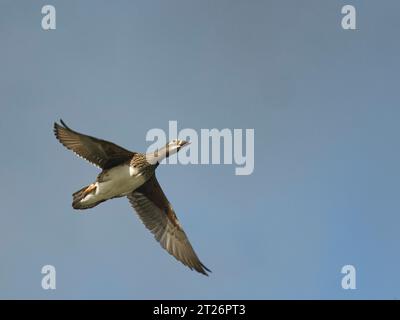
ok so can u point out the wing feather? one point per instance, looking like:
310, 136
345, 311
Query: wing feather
157, 214
101, 153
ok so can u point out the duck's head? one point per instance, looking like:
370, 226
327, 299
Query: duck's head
175, 145
169, 149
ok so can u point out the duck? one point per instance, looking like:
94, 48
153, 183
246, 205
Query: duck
131, 174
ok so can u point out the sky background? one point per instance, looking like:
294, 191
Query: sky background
324, 103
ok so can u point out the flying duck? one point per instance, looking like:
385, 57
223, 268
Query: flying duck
131, 174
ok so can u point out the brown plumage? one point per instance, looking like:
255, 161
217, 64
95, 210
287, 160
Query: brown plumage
133, 174
157, 214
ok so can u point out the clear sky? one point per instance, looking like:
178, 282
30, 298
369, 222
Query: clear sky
324, 103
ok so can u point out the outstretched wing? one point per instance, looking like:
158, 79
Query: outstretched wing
99, 152
159, 217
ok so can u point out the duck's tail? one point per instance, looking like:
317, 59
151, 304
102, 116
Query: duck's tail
82, 199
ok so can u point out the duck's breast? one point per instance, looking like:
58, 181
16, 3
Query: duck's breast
119, 181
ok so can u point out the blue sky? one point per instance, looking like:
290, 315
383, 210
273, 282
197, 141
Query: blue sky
324, 106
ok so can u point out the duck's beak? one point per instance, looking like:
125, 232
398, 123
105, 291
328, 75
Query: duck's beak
183, 143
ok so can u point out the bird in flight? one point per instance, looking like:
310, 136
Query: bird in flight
132, 174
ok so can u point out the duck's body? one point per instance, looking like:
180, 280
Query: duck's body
112, 183
131, 174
